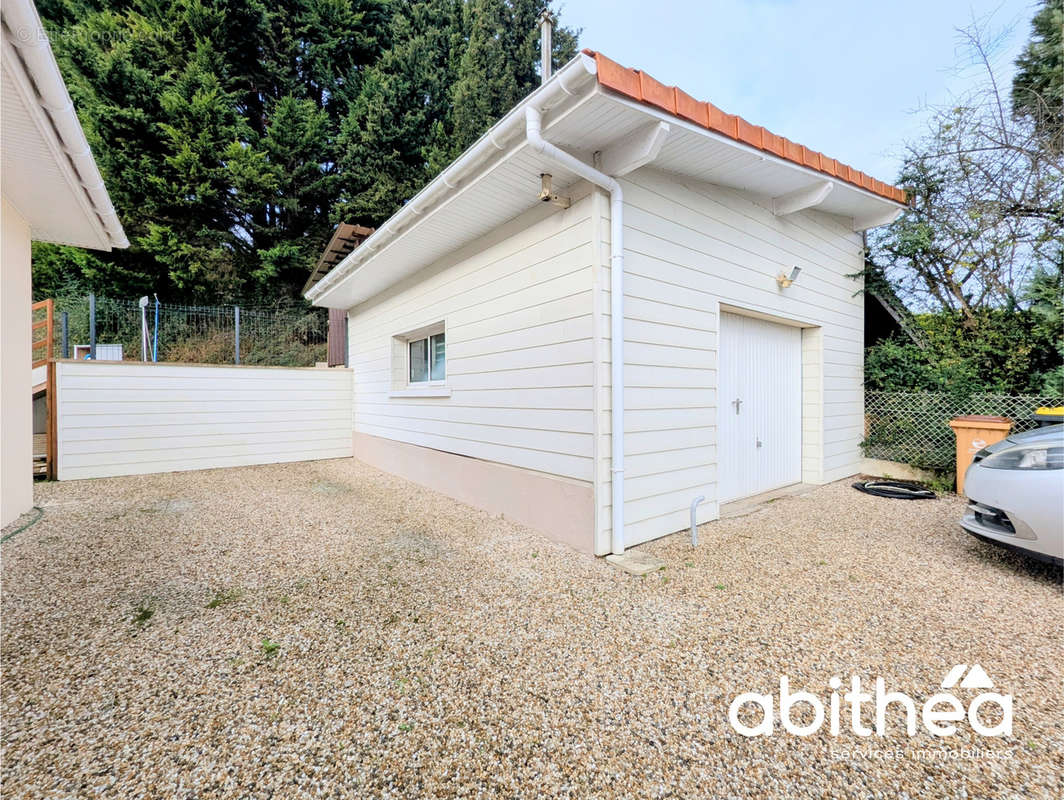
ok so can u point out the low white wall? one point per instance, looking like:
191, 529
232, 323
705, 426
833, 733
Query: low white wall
896, 470
128, 418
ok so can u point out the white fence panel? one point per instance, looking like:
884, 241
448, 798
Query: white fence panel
129, 418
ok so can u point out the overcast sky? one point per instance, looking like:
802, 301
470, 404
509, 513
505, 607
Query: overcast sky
846, 77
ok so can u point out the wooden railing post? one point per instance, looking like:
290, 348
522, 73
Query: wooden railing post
47, 360
53, 423
48, 325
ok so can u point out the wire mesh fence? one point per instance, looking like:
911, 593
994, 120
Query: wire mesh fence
912, 427
283, 337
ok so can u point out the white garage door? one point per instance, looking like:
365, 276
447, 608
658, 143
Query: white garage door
759, 406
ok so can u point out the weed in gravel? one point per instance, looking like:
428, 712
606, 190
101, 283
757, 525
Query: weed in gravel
330, 487
942, 483
270, 648
143, 612
405, 726
689, 563
224, 597
719, 586
284, 599
340, 624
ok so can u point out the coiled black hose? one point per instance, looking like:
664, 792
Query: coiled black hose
896, 490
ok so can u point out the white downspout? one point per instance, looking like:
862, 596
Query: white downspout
533, 133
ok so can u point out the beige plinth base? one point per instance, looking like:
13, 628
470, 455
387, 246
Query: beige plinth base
561, 508
635, 562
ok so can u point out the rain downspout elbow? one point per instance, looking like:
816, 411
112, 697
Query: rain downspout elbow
534, 137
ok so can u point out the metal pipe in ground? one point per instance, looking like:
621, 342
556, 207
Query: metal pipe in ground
92, 326
694, 523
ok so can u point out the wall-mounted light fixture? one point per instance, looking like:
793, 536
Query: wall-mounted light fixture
785, 281
547, 195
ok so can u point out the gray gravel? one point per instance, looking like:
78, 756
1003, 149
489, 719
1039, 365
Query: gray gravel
326, 629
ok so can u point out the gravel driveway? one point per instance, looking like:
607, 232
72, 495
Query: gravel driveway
325, 629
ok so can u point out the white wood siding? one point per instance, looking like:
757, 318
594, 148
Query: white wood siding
517, 308
132, 418
690, 247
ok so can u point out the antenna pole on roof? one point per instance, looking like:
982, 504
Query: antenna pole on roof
546, 26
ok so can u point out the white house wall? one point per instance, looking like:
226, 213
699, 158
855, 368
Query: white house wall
690, 247
127, 418
16, 415
517, 307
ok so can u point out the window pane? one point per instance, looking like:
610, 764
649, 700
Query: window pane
419, 359
439, 357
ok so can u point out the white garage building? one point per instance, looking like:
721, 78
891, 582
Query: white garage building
618, 298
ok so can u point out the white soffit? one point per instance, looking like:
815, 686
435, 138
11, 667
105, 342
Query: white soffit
584, 123
47, 169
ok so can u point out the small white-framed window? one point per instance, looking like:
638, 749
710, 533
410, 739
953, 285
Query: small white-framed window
419, 363
427, 359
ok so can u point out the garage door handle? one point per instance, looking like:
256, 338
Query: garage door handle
736, 402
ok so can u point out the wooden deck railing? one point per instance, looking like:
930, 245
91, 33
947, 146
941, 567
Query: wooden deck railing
42, 353
47, 324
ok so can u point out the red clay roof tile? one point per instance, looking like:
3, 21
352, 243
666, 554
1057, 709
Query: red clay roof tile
640, 86
751, 134
657, 93
773, 143
689, 108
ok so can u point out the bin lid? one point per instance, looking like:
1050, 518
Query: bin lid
980, 421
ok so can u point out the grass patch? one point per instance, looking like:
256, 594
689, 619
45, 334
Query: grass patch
144, 612
225, 597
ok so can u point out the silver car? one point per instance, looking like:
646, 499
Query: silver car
1015, 492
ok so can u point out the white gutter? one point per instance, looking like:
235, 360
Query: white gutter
533, 134
506, 132
25, 33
